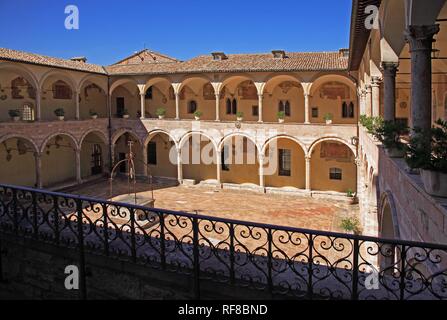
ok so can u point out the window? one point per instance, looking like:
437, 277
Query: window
120, 106
148, 95
335, 174
284, 106
255, 111
192, 106
284, 160
347, 110
315, 112
224, 159
228, 103
96, 160
61, 90
152, 153
27, 112
351, 109
234, 106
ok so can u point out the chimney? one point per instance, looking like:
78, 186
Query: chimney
79, 59
344, 53
279, 54
217, 56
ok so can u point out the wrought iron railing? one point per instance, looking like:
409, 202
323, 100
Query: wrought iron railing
280, 261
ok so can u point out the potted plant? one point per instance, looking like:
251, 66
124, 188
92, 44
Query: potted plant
197, 114
60, 113
328, 118
350, 225
352, 196
125, 114
239, 116
427, 151
14, 114
389, 133
160, 112
281, 115
93, 114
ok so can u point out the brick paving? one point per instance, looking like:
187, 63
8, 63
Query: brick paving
291, 211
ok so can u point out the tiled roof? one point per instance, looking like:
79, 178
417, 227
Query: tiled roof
146, 56
21, 56
264, 62
297, 61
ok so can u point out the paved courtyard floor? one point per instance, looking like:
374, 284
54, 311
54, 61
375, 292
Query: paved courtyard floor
291, 211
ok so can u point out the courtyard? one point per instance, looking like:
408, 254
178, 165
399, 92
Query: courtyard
283, 210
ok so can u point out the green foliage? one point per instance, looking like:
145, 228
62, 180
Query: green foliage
14, 113
93, 113
350, 193
198, 113
239, 114
160, 112
328, 116
428, 149
59, 112
389, 133
281, 114
350, 225
371, 123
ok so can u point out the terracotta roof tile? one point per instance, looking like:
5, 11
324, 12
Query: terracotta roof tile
21, 56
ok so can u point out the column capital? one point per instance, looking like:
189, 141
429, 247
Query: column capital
375, 81
308, 157
368, 88
389, 66
420, 38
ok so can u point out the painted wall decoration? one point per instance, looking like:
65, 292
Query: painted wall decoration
335, 90
286, 86
17, 85
247, 91
208, 92
334, 150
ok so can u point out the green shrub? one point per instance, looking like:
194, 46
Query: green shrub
160, 112
239, 114
198, 113
389, 133
350, 225
281, 114
14, 113
59, 112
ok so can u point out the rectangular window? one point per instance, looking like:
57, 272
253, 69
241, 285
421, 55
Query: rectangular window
315, 112
120, 107
335, 174
344, 110
255, 111
224, 159
284, 160
152, 153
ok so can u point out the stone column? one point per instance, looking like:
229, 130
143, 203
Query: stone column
177, 106
368, 100
308, 159
363, 102
375, 95
78, 116
145, 161
389, 88
78, 166
179, 166
219, 166
420, 39
143, 106
306, 108
38, 105
38, 163
217, 107
260, 100
261, 171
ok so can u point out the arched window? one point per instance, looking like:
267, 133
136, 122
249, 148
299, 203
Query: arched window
148, 95
27, 112
284, 106
61, 90
228, 106
234, 106
344, 110
351, 109
192, 106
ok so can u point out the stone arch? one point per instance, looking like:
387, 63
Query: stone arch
61, 75
320, 79
235, 134
284, 136
120, 82
275, 79
187, 135
161, 159
20, 136
118, 133
388, 217
60, 133
153, 133
21, 70
94, 79
93, 151
189, 78
96, 131
316, 142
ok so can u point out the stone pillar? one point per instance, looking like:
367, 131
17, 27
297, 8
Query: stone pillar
420, 39
145, 161
219, 166
217, 107
306, 108
143, 106
78, 115
375, 96
38, 105
363, 102
389, 88
368, 100
177, 106
260, 100
261, 171
179, 166
78, 166
38, 163
308, 159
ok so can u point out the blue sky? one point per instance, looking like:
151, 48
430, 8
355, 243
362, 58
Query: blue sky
110, 30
